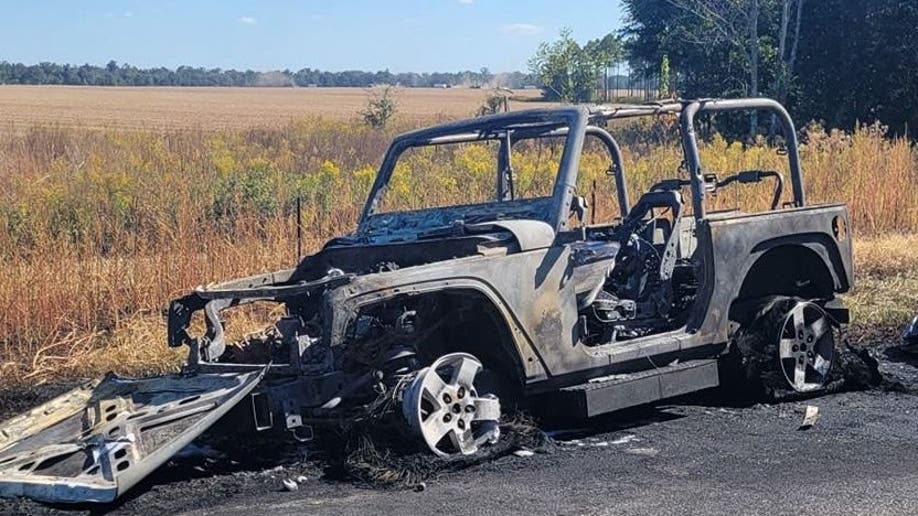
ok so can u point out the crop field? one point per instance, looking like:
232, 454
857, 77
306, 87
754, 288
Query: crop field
113, 201
152, 108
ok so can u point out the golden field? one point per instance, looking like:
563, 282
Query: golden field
105, 218
154, 108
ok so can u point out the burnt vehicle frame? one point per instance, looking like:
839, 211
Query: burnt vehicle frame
813, 239
396, 320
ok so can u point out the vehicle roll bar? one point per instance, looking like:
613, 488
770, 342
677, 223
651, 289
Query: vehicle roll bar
693, 158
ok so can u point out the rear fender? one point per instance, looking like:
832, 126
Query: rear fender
743, 244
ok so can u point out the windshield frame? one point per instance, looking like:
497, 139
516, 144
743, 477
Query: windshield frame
574, 119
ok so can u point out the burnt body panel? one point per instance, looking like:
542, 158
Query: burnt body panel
796, 252
533, 292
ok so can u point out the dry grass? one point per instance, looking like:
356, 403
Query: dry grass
100, 228
886, 293
217, 108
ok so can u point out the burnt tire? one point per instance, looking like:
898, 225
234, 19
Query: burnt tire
788, 350
498, 383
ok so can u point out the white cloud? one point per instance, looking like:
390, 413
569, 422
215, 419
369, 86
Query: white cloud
247, 20
128, 14
466, 2
521, 29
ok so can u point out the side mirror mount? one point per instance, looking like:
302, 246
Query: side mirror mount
578, 207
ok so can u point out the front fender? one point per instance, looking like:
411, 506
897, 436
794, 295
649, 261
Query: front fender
342, 305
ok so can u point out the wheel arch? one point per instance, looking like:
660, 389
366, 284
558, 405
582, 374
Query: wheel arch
483, 331
484, 327
788, 269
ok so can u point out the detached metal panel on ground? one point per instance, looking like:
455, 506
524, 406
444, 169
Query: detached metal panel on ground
96, 442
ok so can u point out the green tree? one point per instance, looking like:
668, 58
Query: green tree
381, 107
724, 48
565, 71
606, 52
839, 61
857, 63
665, 78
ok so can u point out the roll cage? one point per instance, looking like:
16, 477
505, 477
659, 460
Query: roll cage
688, 110
575, 124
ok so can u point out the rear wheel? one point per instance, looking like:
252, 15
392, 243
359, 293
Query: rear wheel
789, 347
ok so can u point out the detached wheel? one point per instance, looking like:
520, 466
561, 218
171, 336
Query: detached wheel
443, 407
790, 347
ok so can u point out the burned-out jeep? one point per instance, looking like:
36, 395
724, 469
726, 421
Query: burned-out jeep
438, 317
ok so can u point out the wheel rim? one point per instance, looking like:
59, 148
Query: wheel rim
806, 347
443, 407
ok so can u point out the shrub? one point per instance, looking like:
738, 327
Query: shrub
381, 107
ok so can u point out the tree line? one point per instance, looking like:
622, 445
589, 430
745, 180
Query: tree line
115, 74
841, 62
837, 61
600, 70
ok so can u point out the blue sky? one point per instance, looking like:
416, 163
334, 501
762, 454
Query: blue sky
401, 35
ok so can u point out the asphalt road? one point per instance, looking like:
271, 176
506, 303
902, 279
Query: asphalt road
859, 458
697, 456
